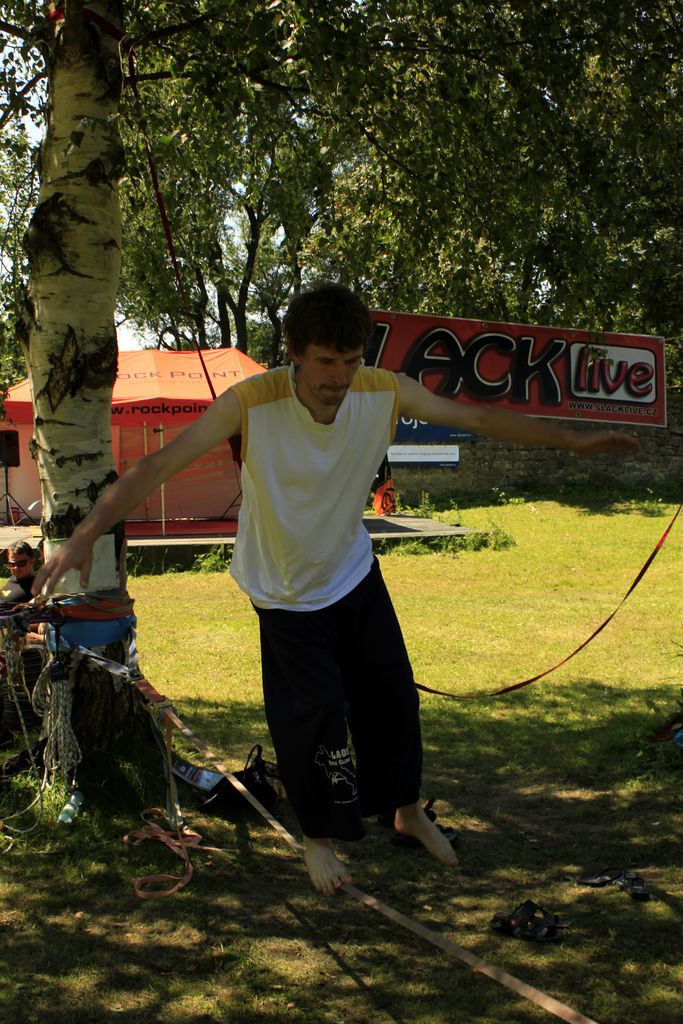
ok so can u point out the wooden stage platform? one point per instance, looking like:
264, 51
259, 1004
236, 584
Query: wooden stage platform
207, 533
211, 532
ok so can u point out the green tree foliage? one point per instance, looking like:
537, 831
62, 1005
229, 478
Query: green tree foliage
516, 161
22, 69
240, 198
18, 195
548, 138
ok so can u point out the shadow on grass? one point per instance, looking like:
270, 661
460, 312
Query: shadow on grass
602, 500
543, 786
229, 730
530, 768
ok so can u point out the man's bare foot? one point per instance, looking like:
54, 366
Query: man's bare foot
412, 821
326, 871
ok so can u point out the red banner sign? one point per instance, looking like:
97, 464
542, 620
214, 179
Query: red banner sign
544, 371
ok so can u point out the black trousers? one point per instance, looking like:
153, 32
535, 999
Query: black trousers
326, 673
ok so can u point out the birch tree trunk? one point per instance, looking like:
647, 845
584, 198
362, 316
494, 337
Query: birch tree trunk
74, 249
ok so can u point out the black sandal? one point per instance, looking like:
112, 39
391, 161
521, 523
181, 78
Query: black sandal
631, 883
607, 876
529, 922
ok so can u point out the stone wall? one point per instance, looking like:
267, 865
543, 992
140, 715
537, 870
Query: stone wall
488, 464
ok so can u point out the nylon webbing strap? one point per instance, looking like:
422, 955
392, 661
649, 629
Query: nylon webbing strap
509, 981
541, 675
479, 966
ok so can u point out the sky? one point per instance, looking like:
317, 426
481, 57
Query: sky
128, 340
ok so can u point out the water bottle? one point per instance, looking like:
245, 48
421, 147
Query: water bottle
71, 807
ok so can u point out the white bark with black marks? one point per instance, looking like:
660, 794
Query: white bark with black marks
74, 247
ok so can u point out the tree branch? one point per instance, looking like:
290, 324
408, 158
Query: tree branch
13, 104
154, 76
15, 30
155, 35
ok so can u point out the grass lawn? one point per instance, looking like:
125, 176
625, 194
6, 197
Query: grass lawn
544, 784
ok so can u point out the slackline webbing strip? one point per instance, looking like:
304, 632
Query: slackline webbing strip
517, 686
479, 966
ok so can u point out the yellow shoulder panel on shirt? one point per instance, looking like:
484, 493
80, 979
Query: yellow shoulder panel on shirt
261, 389
374, 379
371, 378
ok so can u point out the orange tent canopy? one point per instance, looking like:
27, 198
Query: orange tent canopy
167, 387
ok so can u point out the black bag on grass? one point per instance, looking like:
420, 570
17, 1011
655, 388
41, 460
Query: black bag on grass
258, 776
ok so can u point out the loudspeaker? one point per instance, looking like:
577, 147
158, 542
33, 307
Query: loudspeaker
9, 448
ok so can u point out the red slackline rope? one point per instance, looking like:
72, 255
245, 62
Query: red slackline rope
541, 675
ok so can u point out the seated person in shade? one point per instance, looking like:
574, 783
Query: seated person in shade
21, 559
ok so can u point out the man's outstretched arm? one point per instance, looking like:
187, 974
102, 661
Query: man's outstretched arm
221, 420
417, 402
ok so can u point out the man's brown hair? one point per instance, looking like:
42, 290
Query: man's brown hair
327, 314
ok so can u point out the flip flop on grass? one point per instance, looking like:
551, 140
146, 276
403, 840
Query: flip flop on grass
631, 883
604, 877
529, 922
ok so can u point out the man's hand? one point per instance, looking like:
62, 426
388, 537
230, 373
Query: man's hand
75, 554
606, 441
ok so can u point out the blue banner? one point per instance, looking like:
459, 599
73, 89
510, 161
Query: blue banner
418, 432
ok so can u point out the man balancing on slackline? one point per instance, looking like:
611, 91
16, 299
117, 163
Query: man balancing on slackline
332, 653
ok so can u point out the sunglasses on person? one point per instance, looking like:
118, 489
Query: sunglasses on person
19, 564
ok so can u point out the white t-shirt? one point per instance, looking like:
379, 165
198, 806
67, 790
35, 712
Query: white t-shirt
301, 543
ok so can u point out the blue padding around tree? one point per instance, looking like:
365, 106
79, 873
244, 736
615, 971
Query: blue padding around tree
94, 633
